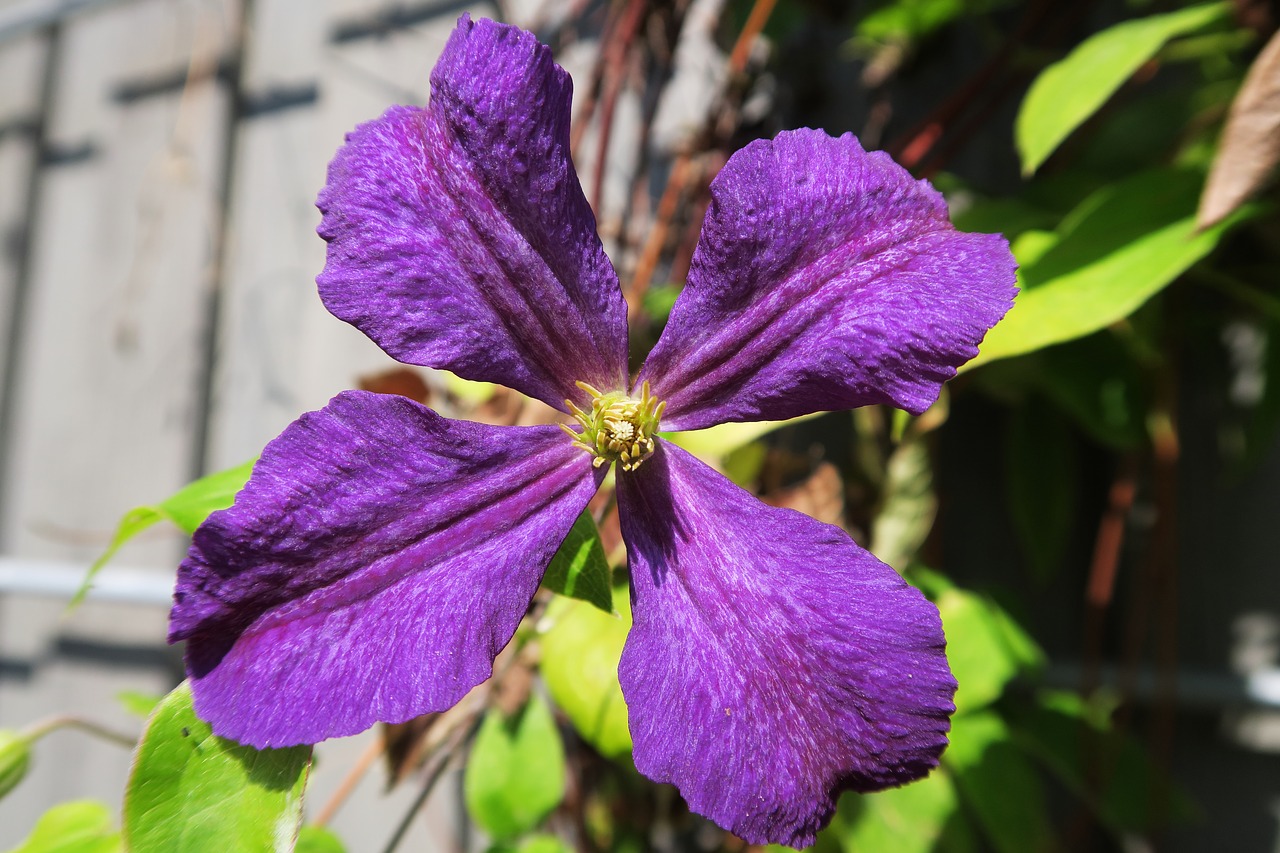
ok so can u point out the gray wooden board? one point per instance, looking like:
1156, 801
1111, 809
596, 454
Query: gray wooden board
108, 368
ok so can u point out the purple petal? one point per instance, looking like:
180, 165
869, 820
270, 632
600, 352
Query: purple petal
825, 278
773, 662
459, 236
376, 562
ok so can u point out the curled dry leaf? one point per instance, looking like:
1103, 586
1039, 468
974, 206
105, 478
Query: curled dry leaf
820, 495
1250, 145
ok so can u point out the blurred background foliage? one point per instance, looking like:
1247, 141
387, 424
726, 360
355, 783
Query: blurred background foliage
1126, 150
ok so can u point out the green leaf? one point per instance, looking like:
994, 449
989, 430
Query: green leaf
318, 839
193, 791
540, 843
15, 759
137, 703
580, 569
923, 817
516, 772
1110, 772
81, 826
717, 442
1117, 249
985, 647
1042, 483
1068, 92
187, 508
997, 784
580, 653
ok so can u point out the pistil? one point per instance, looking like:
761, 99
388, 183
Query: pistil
618, 428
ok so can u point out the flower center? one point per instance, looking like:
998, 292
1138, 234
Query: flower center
617, 428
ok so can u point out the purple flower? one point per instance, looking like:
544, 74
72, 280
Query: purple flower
382, 555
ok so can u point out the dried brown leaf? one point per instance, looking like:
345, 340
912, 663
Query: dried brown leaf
1250, 146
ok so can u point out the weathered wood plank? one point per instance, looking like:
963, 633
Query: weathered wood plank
108, 365
112, 350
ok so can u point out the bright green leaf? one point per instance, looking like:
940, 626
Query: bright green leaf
516, 772
540, 843
139, 704
193, 791
15, 759
580, 569
1120, 247
1068, 92
718, 442
923, 817
318, 839
986, 648
187, 508
81, 826
580, 653
997, 784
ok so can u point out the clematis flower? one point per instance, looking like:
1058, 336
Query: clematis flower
381, 555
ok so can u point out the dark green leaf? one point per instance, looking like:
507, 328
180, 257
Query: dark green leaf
516, 772
1068, 92
579, 569
1042, 483
193, 791
580, 654
82, 826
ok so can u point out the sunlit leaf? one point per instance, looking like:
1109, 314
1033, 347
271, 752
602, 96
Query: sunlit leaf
985, 647
82, 826
923, 817
580, 654
1250, 144
1119, 248
193, 791
718, 442
580, 569
1070, 91
516, 771
187, 509
318, 839
997, 784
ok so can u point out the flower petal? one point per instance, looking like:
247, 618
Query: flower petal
376, 562
773, 662
459, 236
825, 278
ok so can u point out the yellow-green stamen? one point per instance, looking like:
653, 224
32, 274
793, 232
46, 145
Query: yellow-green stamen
618, 428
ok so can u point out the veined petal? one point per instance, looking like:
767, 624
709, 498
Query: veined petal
772, 662
825, 278
376, 562
459, 236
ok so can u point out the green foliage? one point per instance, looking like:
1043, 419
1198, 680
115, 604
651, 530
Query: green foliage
913, 20
516, 772
317, 839
1117, 249
15, 758
579, 569
986, 648
580, 654
81, 826
193, 791
187, 509
1067, 93
1042, 483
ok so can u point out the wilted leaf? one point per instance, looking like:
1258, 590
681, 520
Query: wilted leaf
820, 495
516, 772
1250, 144
1068, 92
908, 506
193, 791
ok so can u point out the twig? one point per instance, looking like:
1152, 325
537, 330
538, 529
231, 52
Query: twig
349, 782
756, 20
66, 721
